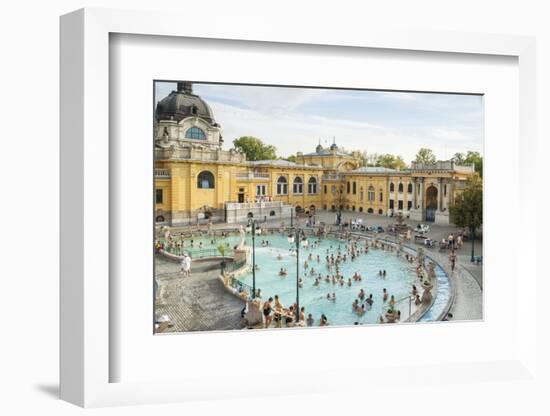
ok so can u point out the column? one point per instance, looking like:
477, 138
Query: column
422, 201
440, 194
415, 191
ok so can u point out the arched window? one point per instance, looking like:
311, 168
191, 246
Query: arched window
370, 194
381, 196
354, 188
380, 212
271, 213
353, 208
370, 211
410, 188
195, 133
392, 187
205, 180
360, 209
348, 187
159, 218
282, 186
298, 185
400, 189
312, 186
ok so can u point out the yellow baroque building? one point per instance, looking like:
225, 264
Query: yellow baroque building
195, 178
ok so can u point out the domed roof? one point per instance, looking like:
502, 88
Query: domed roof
183, 103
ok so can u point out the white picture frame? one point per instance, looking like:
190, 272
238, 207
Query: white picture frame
86, 355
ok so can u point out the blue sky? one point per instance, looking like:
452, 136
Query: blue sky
295, 119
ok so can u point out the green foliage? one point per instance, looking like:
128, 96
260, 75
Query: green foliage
254, 148
385, 160
467, 210
425, 156
390, 161
291, 158
470, 158
221, 249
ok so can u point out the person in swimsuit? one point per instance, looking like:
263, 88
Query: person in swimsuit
278, 307
384, 295
289, 318
267, 313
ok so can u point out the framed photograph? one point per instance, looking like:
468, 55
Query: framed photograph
237, 211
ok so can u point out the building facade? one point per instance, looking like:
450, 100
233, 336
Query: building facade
195, 178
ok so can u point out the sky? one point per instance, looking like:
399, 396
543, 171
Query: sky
295, 119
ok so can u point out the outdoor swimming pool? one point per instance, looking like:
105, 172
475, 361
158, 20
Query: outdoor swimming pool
400, 276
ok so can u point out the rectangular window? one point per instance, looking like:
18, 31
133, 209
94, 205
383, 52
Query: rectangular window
445, 190
158, 196
400, 204
409, 205
282, 188
381, 197
260, 190
325, 189
354, 188
391, 203
348, 187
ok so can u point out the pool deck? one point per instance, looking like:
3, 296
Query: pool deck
197, 303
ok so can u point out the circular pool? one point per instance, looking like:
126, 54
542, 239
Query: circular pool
279, 253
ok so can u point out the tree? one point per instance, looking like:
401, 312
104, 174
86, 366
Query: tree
474, 158
458, 158
467, 210
254, 148
391, 161
291, 158
425, 156
470, 158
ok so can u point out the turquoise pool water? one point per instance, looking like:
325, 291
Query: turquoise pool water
400, 276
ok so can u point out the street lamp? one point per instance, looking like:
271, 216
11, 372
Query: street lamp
255, 230
298, 238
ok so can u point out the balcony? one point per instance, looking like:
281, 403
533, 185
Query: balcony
162, 173
334, 177
252, 175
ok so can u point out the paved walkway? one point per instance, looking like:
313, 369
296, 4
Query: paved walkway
196, 303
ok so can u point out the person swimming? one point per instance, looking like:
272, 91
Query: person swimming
384, 295
370, 300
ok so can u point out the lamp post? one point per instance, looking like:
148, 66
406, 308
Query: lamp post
254, 229
298, 237
291, 217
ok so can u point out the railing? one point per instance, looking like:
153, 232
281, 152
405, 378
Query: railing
240, 286
332, 177
253, 175
197, 253
162, 173
250, 205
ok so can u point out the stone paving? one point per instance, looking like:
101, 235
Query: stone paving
190, 302
197, 303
